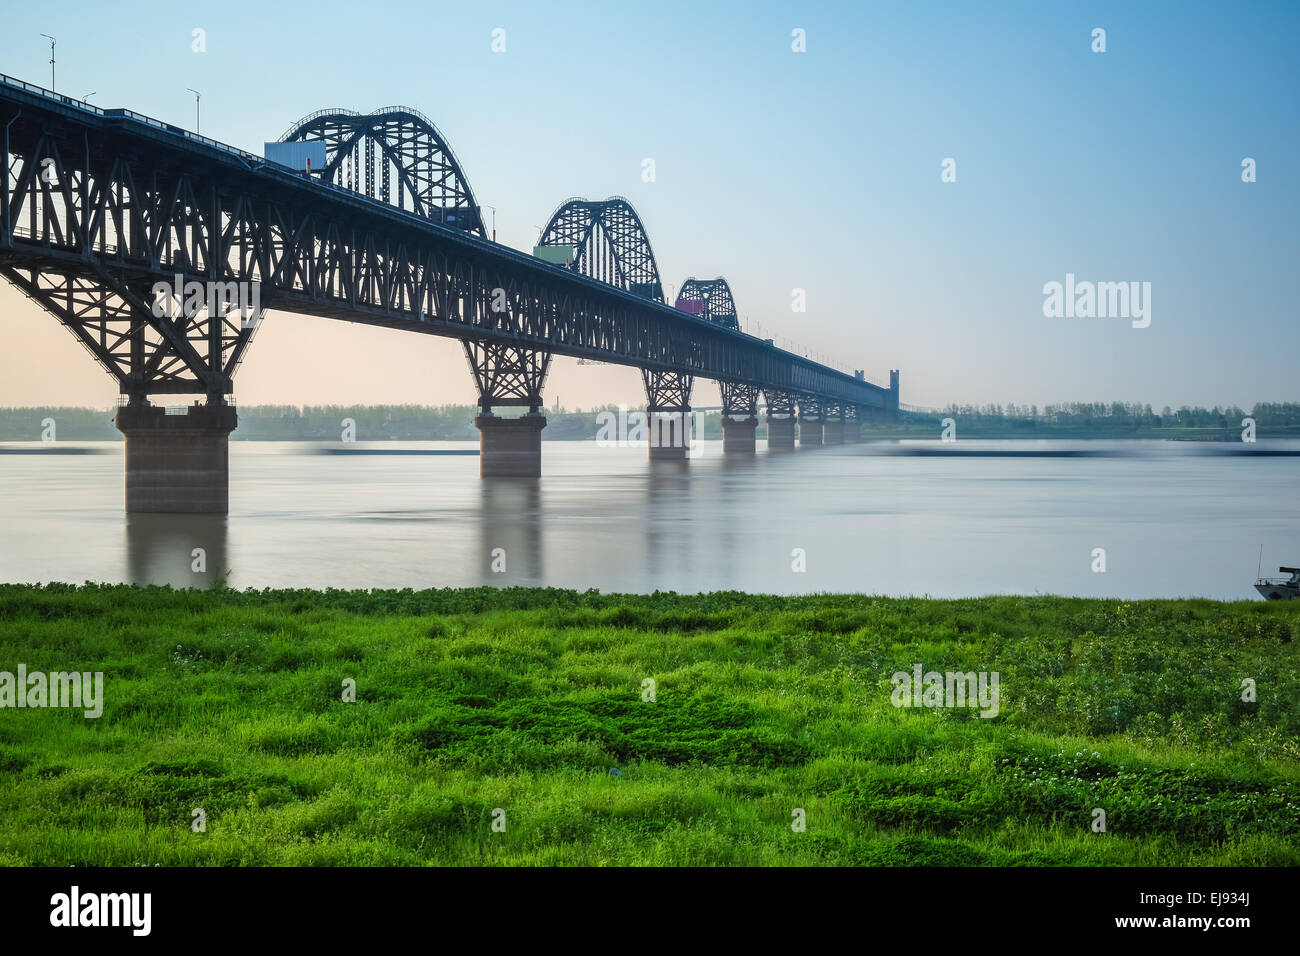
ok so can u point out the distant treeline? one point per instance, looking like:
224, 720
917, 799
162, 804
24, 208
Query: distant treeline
371, 422
312, 423
1099, 419
456, 422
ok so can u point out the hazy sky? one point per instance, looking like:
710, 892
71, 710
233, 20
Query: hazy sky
780, 170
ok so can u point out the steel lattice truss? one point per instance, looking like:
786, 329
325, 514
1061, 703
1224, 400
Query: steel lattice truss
667, 391
810, 408
189, 352
610, 242
97, 207
779, 404
711, 299
739, 400
506, 375
395, 155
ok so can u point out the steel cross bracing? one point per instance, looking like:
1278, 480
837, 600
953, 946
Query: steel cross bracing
810, 408
506, 375
100, 206
667, 391
739, 400
779, 404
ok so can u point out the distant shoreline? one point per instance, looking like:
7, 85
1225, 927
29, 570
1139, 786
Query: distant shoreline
411, 423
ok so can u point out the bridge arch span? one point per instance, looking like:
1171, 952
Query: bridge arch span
605, 240
710, 299
397, 156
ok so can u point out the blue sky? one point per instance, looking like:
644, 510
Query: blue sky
782, 170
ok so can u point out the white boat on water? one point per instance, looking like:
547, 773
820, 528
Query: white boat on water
1281, 589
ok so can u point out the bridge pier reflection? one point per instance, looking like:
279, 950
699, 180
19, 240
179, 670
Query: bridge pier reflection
666, 529
184, 551
510, 523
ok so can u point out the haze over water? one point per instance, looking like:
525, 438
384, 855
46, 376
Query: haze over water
977, 517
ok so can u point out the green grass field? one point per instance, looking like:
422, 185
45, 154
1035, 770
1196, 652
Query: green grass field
530, 701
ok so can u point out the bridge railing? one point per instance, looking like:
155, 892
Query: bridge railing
50, 94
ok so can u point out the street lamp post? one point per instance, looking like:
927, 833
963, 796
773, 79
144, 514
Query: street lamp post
52, 42
197, 96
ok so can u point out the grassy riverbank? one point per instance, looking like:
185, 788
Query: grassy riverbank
531, 701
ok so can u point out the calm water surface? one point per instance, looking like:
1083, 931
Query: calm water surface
1175, 519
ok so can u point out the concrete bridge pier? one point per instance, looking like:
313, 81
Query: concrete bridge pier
670, 435
833, 432
810, 431
510, 447
177, 464
780, 434
739, 418
668, 414
738, 436
510, 376
781, 420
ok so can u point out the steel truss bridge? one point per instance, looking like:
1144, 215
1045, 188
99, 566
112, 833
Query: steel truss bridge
101, 206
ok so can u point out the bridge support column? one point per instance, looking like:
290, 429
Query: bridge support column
508, 376
738, 436
811, 418
670, 436
780, 420
739, 418
177, 463
510, 447
832, 424
669, 414
780, 434
810, 422
851, 433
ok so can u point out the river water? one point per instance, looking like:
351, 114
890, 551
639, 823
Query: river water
969, 518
